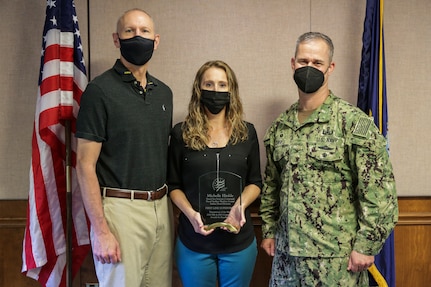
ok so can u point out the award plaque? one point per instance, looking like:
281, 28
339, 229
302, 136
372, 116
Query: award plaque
218, 191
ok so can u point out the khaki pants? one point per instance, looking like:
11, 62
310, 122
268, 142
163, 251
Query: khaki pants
144, 230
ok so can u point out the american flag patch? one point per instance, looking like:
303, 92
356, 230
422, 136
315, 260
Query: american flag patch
362, 126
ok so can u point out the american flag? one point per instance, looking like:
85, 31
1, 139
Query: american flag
62, 79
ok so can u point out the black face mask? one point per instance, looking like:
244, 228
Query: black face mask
137, 50
215, 101
308, 79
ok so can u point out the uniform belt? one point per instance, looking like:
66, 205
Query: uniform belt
134, 194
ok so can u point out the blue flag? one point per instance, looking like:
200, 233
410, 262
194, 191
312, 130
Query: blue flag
372, 100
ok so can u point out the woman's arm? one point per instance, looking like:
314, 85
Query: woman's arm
179, 198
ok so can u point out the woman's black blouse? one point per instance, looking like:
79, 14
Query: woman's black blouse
187, 165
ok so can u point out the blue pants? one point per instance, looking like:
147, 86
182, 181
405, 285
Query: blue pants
204, 270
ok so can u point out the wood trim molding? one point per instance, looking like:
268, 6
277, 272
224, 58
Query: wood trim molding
13, 213
405, 218
13, 222
414, 218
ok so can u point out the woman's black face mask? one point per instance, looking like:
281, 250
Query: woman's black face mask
215, 101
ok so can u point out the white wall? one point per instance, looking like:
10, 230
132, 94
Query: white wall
257, 39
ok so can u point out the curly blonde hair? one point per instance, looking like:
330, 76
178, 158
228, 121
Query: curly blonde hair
195, 127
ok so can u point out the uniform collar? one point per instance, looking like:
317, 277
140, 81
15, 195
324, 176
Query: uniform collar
321, 115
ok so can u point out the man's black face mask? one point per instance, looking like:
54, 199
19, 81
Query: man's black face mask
137, 50
308, 79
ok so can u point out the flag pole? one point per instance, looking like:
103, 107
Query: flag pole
69, 276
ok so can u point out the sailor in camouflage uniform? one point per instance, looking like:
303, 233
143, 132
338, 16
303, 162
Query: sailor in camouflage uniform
329, 200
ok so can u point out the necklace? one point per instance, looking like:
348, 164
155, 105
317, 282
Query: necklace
218, 137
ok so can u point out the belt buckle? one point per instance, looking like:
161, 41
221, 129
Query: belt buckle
149, 196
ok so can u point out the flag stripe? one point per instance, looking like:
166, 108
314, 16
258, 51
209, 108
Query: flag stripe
52, 51
50, 84
62, 79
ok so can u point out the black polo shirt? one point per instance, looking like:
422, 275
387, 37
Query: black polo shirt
133, 125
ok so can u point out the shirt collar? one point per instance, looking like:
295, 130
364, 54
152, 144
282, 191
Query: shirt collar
127, 76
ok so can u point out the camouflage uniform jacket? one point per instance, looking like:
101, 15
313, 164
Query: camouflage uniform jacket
331, 180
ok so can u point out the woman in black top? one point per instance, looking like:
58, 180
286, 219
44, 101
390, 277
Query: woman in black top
214, 154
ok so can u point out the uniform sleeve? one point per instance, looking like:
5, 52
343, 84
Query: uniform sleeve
270, 197
377, 197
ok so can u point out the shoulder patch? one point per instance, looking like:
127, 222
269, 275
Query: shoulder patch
362, 126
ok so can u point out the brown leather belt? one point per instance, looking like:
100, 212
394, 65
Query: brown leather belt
134, 194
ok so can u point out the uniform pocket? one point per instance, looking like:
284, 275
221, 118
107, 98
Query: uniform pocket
325, 161
329, 152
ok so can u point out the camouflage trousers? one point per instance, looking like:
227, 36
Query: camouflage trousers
292, 271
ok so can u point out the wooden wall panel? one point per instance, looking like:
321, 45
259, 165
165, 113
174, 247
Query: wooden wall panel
412, 247
12, 225
413, 242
